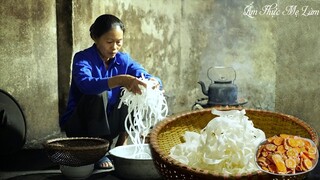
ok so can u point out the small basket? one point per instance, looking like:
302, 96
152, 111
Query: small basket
169, 132
76, 151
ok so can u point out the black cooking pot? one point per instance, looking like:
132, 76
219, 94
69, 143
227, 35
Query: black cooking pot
12, 125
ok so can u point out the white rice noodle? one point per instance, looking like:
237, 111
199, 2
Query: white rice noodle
226, 145
144, 111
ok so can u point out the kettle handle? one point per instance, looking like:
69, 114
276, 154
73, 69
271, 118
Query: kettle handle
222, 67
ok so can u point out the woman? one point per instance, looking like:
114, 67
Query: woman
98, 74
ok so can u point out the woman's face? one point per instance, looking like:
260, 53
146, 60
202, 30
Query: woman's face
110, 43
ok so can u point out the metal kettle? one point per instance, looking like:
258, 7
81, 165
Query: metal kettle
222, 90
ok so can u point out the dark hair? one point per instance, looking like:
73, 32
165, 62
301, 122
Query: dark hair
103, 24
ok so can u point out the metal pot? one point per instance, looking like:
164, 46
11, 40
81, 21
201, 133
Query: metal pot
77, 172
128, 166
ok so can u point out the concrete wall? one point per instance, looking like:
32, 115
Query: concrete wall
275, 57
298, 62
28, 63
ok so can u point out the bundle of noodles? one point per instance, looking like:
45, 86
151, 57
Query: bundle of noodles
144, 110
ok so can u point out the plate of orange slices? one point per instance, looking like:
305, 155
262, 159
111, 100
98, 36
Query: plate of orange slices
287, 155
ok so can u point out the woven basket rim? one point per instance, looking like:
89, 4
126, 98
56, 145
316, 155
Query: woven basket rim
50, 144
156, 130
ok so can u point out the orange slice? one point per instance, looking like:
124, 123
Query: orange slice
307, 144
262, 161
294, 142
286, 144
264, 153
270, 139
310, 156
292, 152
278, 141
291, 163
312, 150
271, 147
281, 149
284, 136
300, 142
307, 163
278, 161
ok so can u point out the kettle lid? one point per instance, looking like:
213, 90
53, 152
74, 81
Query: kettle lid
222, 82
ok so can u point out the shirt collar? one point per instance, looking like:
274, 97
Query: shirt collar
116, 59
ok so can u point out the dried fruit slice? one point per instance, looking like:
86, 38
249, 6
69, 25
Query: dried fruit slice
264, 153
312, 150
265, 168
291, 163
262, 161
294, 142
300, 142
307, 144
310, 156
281, 149
272, 168
299, 168
260, 150
278, 161
278, 141
271, 147
270, 139
303, 155
307, 163
298, 149
284, 136
286, 144
292, 152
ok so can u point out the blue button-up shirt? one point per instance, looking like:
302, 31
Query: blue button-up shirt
90, 76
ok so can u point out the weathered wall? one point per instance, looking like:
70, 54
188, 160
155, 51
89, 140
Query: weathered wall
298, 62
28, 62
248, 45
275, 57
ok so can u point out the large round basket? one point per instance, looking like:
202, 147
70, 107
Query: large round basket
76, 151
169, 132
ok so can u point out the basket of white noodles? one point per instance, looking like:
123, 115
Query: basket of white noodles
218, 143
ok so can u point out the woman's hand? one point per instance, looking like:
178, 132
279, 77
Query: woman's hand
132, 84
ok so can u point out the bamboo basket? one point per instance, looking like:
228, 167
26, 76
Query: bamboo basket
169, 132
76, 151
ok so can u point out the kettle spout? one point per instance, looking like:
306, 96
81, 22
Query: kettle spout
203, 87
